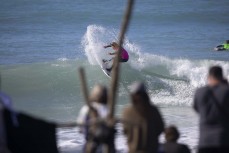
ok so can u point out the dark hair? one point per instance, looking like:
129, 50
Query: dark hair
227, 41
103, 98
99, 94
145, 100
145, 96
171, 134
224, 81
216, 72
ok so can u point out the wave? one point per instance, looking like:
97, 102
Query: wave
170, 81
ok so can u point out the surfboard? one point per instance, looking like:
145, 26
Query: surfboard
219, 48
106, 67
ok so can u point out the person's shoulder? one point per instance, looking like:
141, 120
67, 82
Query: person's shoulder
128, 109
183, 145
202, 90
153, 106
129, 112
224, 89
225, 86
154, 109
82, 114
185, 148
99, 106
84, 109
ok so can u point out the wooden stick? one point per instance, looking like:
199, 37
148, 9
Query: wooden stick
115, 73
84, 88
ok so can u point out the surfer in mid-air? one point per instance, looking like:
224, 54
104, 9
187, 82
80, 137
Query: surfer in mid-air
124, 56
222, 47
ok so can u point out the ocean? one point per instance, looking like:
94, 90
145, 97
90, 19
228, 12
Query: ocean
43, 43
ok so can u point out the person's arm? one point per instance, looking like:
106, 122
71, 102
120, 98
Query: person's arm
159, 121
107, 46
195, 104
81, 119
185, 149
116, 52
113, 53
127, 128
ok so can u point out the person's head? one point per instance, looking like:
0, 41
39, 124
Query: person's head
98, 94
115, 46
139, 95
215, 75
171, 134
227, 41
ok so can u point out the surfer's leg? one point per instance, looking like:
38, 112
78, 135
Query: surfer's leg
109, 69
104, 61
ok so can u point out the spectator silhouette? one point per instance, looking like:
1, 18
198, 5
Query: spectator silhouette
98, 100
144, 137
171, 145
211, 102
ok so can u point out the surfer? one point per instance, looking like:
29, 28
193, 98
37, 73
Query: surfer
222, 47
124, 56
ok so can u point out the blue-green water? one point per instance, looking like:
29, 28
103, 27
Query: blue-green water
42, 44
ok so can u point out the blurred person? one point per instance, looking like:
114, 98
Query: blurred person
222, 47
124, 56
143, 136
211, 102
98, 134
171, 145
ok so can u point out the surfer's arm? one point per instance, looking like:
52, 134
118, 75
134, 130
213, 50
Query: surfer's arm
107, 46
219, 46
112, 53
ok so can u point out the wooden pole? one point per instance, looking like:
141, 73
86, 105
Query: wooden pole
115, 71
84, 87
